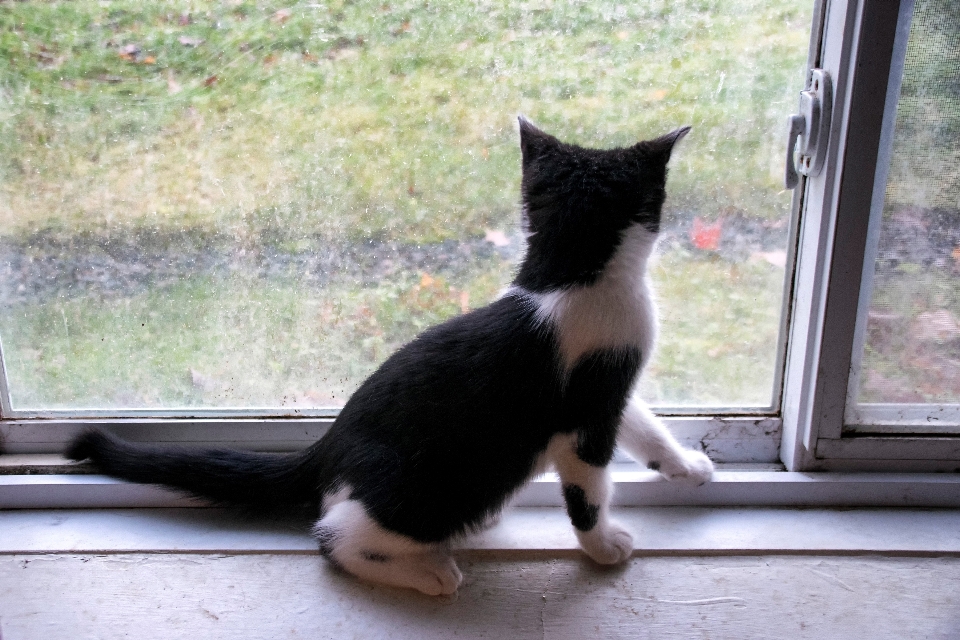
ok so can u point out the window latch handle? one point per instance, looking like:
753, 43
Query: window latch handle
809, 130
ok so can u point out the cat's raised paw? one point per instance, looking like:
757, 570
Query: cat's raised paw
694, 468
607, 544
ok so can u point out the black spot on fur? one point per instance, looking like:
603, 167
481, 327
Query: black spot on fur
582, 514
653, 465
596, 394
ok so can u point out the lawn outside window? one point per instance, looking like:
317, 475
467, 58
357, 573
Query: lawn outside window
302, 287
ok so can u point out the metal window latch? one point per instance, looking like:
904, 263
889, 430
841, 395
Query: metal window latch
810, 127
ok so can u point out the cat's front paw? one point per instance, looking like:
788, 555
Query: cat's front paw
694, 467
607, 544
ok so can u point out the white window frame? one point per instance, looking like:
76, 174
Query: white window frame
863, 45
825, 271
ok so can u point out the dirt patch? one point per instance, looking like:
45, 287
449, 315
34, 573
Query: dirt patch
49, 265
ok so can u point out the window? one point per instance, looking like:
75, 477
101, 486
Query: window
218, 218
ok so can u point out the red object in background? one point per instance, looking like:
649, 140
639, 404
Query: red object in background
706, 236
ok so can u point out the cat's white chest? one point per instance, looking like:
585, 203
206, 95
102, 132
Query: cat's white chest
616, 311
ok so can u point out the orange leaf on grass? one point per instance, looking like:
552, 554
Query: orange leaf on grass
706, 236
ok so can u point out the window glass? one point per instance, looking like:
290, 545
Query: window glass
912, 342
210, 205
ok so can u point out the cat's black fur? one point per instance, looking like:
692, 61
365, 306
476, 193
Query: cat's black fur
437, 439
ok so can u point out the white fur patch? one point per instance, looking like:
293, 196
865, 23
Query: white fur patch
367, 550
615, 311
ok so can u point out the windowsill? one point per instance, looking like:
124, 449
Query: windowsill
657, 531
50, 482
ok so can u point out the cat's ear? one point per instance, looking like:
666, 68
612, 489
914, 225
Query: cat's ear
533, 141
665, 143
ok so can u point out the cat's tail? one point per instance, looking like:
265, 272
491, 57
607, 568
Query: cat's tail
253, 480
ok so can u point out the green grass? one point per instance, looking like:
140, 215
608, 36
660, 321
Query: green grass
364, 118
221, 342
718, 340
291, 125
241, 341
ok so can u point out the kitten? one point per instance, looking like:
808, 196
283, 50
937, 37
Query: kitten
433, 444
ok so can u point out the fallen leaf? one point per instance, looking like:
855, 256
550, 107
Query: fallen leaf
148, 60
497, 238
282, 15
309, 57
129, 52
209, 82
935, 326
172, 85
776, 258
426, 280
190, 41
706, 236
485, 152
203, 382
622, 35
185, 19
659, 94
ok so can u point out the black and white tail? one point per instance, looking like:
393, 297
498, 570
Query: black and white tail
228, 477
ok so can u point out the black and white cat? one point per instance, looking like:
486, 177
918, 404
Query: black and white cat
433, 444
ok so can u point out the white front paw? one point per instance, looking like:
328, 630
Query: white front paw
607, 544
695, 468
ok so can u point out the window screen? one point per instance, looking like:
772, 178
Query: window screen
912, 351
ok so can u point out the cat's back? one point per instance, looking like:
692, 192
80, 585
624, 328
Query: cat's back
473, 380
491, 355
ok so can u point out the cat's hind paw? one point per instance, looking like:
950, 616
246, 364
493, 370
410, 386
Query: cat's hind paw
607, 544
436, 575
694, 468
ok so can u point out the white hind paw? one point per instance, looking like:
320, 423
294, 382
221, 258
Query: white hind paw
694, 468
435, 575
607, 544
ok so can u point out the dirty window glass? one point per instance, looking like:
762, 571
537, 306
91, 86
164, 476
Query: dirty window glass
249, 205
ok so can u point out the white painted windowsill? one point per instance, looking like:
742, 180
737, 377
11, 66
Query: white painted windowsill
634, 488
755, 511
541, 531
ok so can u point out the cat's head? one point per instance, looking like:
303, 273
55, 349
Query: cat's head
578, 203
